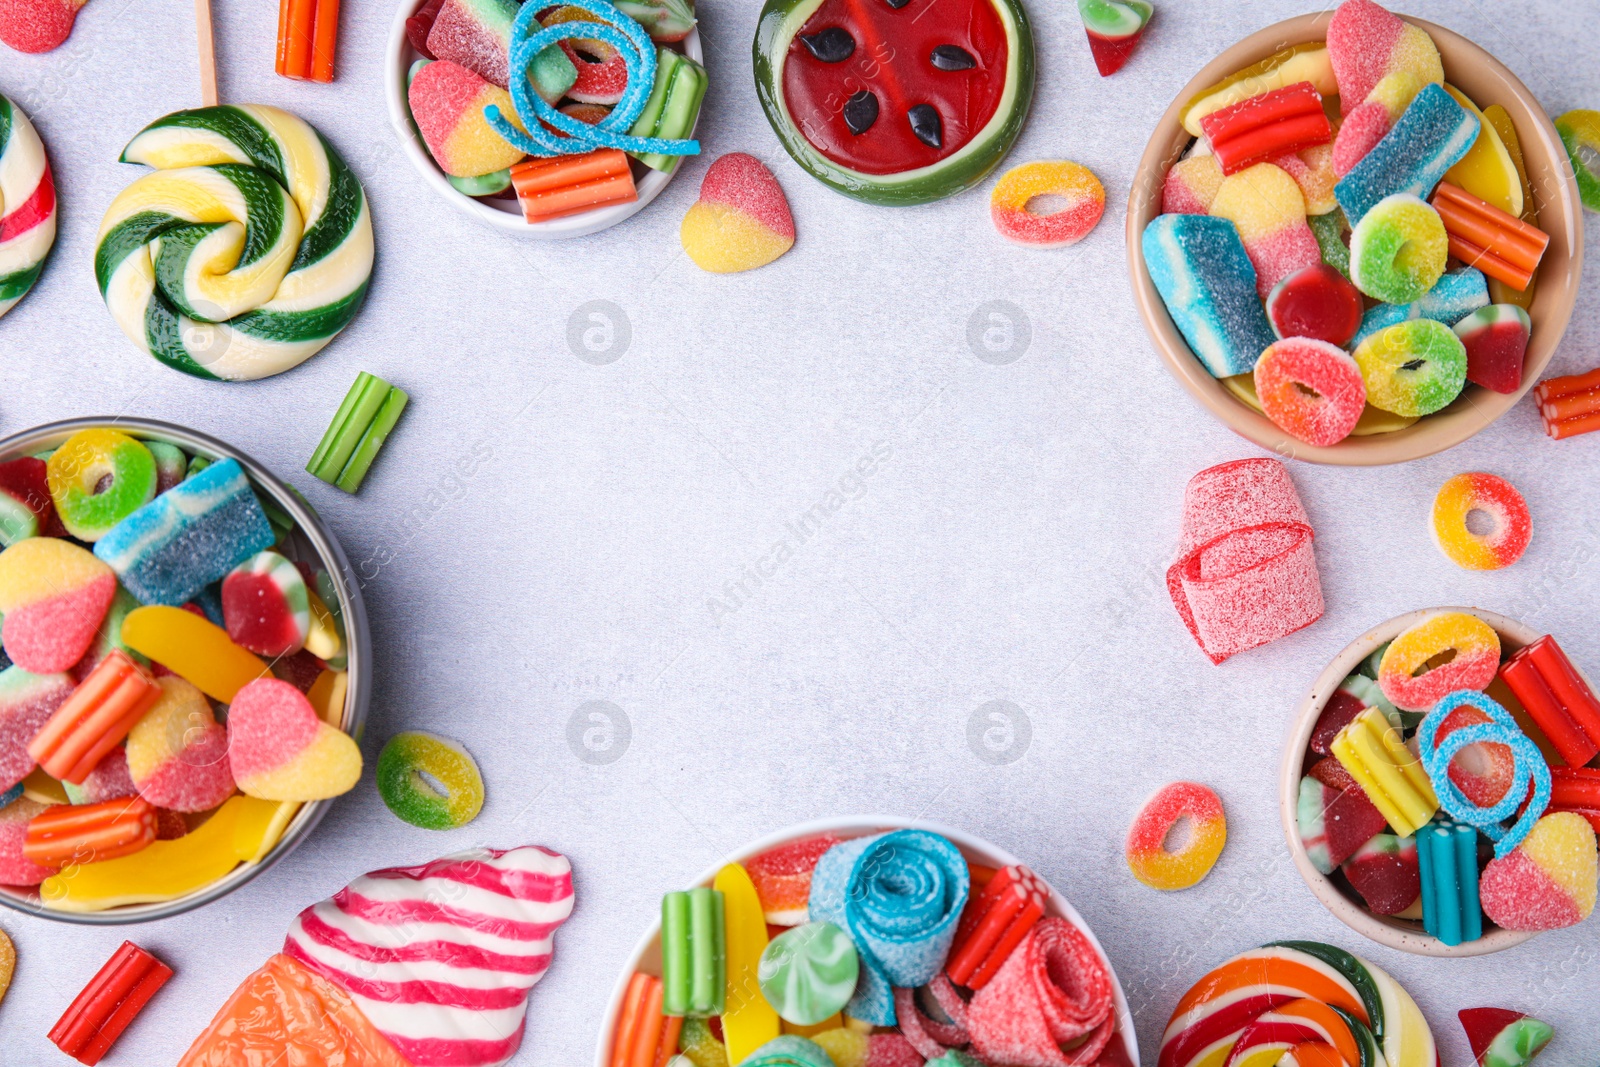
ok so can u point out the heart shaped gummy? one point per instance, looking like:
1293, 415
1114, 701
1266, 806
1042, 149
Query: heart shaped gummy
280, 750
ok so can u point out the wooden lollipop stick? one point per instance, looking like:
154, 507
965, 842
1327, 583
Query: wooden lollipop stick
208, 53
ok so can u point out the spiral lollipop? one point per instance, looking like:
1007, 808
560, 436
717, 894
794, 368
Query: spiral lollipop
27, 205
245, 252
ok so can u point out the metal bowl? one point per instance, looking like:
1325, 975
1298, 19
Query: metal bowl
646, 955
315, 543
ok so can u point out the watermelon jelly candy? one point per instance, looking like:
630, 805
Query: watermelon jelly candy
26, 509
1384, 871
1496, 339
188, 537
477, 35
1114, 28
53, 595
1334, 816
782, 878
1200, 268
265, 606
1355, 694
1503, 1038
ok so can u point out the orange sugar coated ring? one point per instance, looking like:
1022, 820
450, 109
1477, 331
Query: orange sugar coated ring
1074, 183
1477, 659
1148, 856
1495, 497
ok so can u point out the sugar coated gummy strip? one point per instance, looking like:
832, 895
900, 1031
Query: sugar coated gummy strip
1430, 138
1447, 855
1501, 729
359, 429
1205, 278
114, 996
1053, 991
571, 135
1453, 297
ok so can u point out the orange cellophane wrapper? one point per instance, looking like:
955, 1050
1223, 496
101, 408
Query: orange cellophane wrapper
286, 1014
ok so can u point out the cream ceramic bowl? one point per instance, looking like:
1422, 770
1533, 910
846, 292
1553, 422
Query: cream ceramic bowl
646, 955
1487, 81
313, 542
503, 215
1406, 935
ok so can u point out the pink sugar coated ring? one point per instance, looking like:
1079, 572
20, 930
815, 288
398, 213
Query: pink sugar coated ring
1477, 660
1072, 182
1147, 853
1311, 390
1499, 500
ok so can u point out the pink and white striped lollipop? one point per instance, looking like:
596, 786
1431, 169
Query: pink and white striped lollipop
441, 957
27, 205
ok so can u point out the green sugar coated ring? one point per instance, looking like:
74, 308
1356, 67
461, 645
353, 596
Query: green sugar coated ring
97, 478
1413, 368
808, 973
1398, 250
402, 767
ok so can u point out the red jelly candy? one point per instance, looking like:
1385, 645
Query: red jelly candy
1385, 872
1340, 710
1501, 1037
1316, 302
1348, 819
117, 993
1496, 340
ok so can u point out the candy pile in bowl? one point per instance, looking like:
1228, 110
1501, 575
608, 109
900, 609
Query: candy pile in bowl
1349, 240
888, 950
516, 102
174, 673
1447, 781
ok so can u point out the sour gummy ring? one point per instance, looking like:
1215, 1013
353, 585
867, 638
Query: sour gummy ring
77, 474
1148, 857
1311, 389
409, 766
1528, 765
1495, 497
1398, 250
1084, 196
1477, 659
1413, 368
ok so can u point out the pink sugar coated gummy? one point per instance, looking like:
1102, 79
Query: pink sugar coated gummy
447, 102
1484, 770
265, 606
891, 1050
1246, 573
279, 750
53, 595
1316, 302
14, 869
109, 780
178, 753
1312, 170
1270, 212
37, 25
1380, 63
1310, 389
742, 219
26, 703
1191, 185
1547, 882
1082, 198
475, 34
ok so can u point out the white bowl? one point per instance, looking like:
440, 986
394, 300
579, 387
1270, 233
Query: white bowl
503, 215
646, 954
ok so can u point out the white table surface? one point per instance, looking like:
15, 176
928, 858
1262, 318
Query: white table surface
1010, 546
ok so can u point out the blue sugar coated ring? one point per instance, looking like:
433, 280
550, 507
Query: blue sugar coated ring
574, 137
1527, 765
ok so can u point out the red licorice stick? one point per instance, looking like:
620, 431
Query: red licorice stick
1567, 685
1562, 429
1031, 913
983, 924
1266, 126
325, 36
1551, 388
281, 58
117, 992
1536, 697
1575, 787
1570, 405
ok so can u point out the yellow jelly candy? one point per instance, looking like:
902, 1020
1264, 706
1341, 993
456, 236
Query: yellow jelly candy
193, 649
748, 1021
322, 640
1500, 119
237, 833
40, 788
847, 1048
8, 963
1306, 62
1486, 171
327, 695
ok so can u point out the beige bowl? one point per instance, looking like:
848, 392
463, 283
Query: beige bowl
1406, 935
646, 955
1487, 81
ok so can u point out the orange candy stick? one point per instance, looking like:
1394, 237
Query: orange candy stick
324, 37
667, 1047
629, 1019
87, 833
94, 719
1551, 388
1483, 236
299, 28
1566, 428
281, 58
1570, 406
647, 1036
567, 185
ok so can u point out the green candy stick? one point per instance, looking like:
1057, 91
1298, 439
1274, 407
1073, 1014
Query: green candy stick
675, 992
376, 434
360, 404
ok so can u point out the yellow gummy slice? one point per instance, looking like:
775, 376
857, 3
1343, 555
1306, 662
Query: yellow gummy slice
748, 1021
40, 788
1306, 62
167, 869
327, 695
847, 1048
322, 639
1499, 292
1486, 171
1260, 200
1562, 844
193, 649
